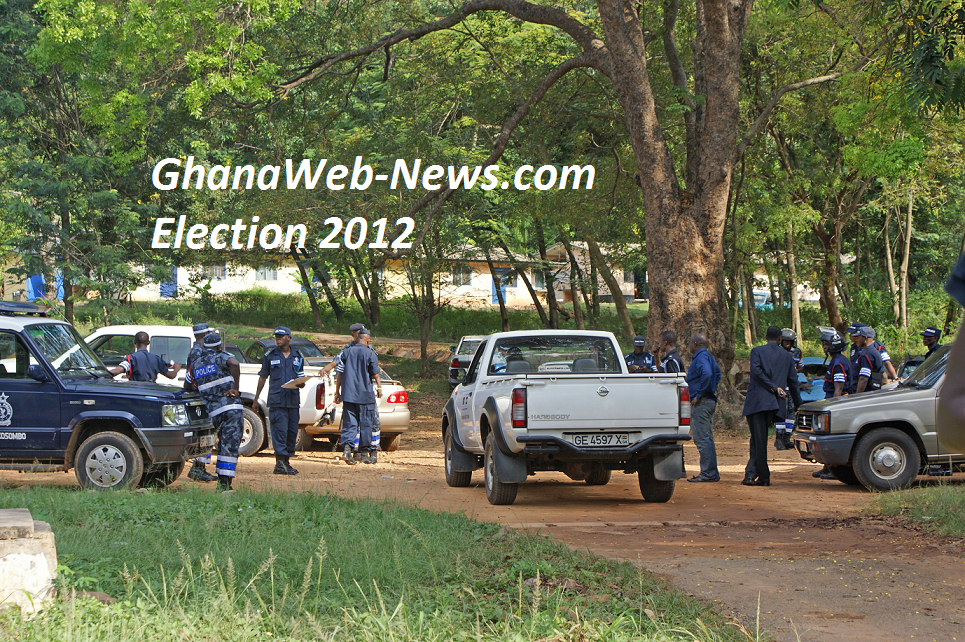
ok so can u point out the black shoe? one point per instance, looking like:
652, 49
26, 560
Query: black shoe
818, 473
198, 473
281, 468
755, 482
224, 483
347, 456
371, 458
290, 467
788, 444
698, 478
827, 476
779, 443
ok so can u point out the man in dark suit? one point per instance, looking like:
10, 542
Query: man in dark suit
773, 378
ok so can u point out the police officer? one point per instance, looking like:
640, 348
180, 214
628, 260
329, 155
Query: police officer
782, 429
879, 346
280, 365
216, 376
837, 381
355, 328
358, 370
866, 364
930, 338
639, 360
142, 365
365, 338
667, 345
198, 471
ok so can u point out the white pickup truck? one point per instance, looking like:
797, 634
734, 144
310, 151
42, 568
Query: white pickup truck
563, 400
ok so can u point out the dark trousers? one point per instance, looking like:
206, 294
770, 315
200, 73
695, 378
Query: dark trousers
284, 430
756, 467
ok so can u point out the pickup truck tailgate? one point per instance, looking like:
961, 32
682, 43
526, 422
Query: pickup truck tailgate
594, 401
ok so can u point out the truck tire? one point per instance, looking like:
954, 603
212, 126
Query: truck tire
162, 475
598, 476
455, 478
253, 434
654, 490
498, 493
390, 441
845, 475
886, 459
108, 461
304, 441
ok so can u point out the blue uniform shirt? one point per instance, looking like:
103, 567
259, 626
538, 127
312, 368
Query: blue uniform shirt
839, 371
358, 366
703, 376
143, 365
867, 363
280, 370
642, 360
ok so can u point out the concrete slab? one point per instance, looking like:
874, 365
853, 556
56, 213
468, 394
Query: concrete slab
28, 564
16, 523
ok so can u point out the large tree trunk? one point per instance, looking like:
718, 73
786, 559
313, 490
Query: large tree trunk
892, 288
904, 264
307, 284
792, 285
621, 305
521, 273
684, 227
549, 279
499, 291
829, 276
574, 293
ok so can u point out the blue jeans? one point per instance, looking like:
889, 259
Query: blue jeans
702, 430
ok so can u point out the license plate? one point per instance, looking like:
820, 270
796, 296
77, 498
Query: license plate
207, 440
601, 439
802, 446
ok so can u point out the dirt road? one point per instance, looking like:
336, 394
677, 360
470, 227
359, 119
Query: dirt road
800, 549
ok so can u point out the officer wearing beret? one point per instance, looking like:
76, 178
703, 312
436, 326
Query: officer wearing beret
639, 360
216, 376
930, 338
280, 365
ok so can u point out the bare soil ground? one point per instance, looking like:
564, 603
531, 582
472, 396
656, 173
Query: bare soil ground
799, 553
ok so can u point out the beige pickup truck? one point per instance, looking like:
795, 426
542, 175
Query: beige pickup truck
881, 440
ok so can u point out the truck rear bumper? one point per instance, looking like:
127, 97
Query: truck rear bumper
564, 450
177, 443
833, 450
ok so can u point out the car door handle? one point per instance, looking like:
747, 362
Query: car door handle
530, 382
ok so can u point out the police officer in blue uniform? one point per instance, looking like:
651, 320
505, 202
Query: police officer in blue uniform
142, 365
930, 337
639, 360
783, 428
358, 370
216, 376
198, 471
837, 381
866, 364
280, 365
879, 346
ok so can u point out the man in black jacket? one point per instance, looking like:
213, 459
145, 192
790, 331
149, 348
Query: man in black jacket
773, 378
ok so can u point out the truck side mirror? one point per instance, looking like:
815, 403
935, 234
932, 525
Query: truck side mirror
452, 348
37, 373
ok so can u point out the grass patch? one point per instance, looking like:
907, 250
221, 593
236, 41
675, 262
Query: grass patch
189, 564
939, 508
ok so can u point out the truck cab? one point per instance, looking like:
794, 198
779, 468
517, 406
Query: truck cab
60, 409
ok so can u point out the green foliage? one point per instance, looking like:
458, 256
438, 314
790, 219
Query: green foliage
939, 508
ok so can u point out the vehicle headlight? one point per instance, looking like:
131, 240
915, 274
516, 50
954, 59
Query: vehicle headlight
822, 423
174, 415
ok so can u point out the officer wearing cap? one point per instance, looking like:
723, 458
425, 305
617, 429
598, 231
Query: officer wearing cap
280, 365
142, 365
930, 337
639, 360
216, 376
358, 370
198, 471
354, 329
866, 364
879, 346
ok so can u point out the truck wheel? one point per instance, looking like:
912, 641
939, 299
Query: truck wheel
845, 475
886, 459
390, 441
455, 478
252, 435
162, 475
653, 489
598, 476
304, 441
498, 493
107, 461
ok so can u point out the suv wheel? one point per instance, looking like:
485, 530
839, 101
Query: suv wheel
107, 461
498, 493
252, 435
455, 478
886, 459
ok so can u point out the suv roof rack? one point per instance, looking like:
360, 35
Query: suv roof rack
10, 308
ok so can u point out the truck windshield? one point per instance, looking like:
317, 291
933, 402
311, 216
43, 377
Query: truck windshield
927, 374
553, 354
65, 350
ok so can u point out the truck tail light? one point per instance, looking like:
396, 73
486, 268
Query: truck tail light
455, 364
320, 396
519, 407
398, 397
684, 398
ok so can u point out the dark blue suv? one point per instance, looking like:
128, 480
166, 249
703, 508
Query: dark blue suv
61, 409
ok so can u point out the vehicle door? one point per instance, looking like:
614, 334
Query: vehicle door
468, 417
111, 348
171, 348
29, 409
